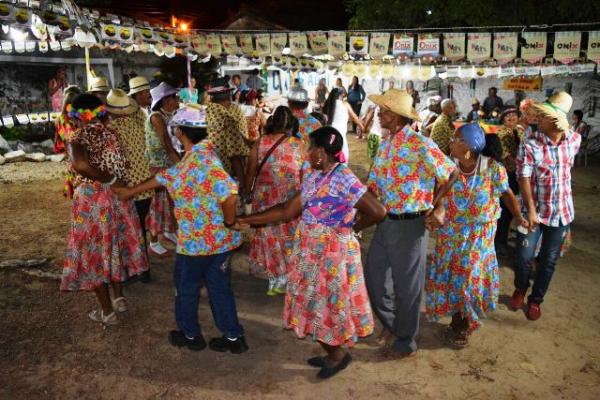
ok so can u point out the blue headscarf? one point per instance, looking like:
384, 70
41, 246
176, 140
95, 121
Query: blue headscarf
474, 136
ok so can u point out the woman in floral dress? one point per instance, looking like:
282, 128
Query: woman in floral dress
277, 182
326, 296
105, 245
462, 278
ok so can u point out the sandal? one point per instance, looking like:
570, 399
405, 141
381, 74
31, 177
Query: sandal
170, 236
457, 339
120, 304
158, 249
98, 316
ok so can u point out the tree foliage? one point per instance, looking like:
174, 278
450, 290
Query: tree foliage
403, 14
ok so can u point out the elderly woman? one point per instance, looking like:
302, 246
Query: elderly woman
161, 154
462, 278
274, 166
104, 246
327, 298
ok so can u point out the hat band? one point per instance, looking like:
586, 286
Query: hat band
120, 107
552, 106
141, 86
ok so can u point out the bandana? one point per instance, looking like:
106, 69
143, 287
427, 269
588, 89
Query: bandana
473, 136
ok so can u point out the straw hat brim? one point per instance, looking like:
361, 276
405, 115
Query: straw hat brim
138, 89
132, 108
101, 89
384, 102
547, 111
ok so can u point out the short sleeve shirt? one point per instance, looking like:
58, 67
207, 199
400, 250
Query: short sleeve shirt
441, 132
510, 146
307, 124
405, 171
131, 134
156, 154
198, 185
227, 130
329, 198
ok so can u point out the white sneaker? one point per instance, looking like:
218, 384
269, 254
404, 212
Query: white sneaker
158, 249
171, 237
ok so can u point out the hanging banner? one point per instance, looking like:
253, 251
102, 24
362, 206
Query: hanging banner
359, 44
403, 45
318, 42
336, 43
230, 46
479, 47
534, 48
263, 44
298, 43
199, 44
567, 46
380, 44
593, 52
428, 45
213, 44
505, 47
454, 46
278, 43
523, 84
246, 44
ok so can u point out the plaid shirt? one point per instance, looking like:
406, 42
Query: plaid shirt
549, 166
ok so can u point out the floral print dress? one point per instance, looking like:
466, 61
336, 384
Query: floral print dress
326, 296
105, 242
277, 182
462, 275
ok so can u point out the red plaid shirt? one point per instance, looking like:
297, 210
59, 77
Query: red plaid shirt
549, 167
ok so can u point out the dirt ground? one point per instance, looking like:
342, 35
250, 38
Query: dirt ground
49, 349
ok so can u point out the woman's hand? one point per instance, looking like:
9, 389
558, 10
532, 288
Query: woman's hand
435, 218
532, 220
122, 192
523, 222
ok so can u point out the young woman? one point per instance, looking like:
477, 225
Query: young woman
356, 96
104, 246
277, 182
321, 93
326, 295
338, 111
462, 278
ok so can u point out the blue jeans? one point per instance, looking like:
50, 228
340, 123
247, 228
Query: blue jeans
193, 272
552, 240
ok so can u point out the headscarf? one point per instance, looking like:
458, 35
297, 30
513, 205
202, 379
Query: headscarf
474, 136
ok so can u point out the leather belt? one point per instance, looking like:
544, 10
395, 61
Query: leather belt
405, 216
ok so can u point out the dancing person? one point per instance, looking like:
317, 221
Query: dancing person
104, 245
492, 102
511, 135
321, 93
326, 297
298, 102
227, 130
409, 175
161, 154
205, 201
338, 111
443, 128
280, 156
64, 128
462, 276
544, 167
356, 96
254, 116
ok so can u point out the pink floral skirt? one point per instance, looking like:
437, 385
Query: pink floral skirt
270, 250
326, 296
105, 241
161, 218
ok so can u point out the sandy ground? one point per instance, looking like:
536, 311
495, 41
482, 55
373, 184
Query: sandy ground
50, 349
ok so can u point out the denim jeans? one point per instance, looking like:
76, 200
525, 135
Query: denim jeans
193, 272
503, 225
552, 240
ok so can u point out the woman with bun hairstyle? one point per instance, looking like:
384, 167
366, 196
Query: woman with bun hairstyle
326, 296
275, 182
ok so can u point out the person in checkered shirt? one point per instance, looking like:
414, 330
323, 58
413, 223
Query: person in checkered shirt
544, 167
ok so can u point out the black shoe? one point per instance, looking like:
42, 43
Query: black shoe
328, 372
178, 339
223, 344
316, 362
144, 277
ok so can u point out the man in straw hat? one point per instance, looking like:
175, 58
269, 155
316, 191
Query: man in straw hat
99, 87
125, 120
544, 167
410, 175
227, 129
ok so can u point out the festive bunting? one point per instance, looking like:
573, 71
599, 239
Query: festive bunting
505, 47
318, 42
567, 46
230, 46
246, 44
359, 44
454, 46
298, 43
336, 43
380, 44
278, 43
534, 48
428, 45
213, 44
199, 44
479, 47
593, 51
403, 45
263, 44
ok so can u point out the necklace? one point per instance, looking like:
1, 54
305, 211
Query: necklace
474, 169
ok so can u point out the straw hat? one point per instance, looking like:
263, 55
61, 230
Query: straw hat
99, 84
396, 101
160, 92
118, 103
474, 101
138, 84
556, 107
